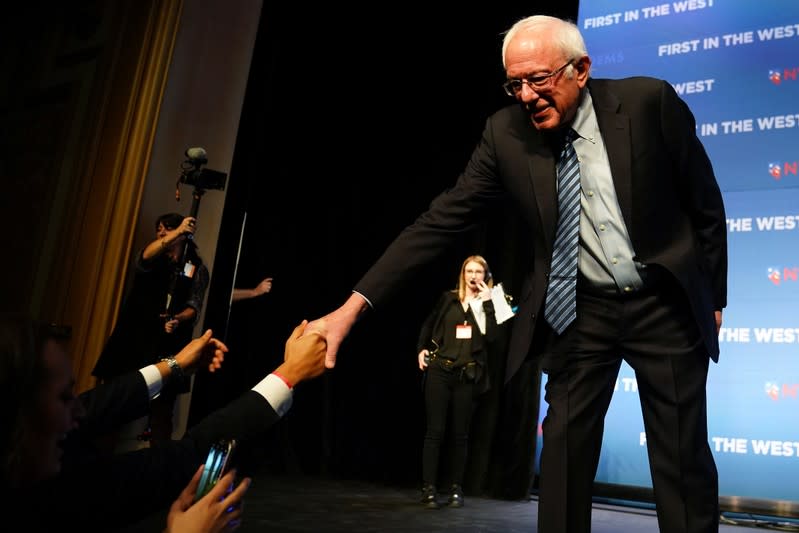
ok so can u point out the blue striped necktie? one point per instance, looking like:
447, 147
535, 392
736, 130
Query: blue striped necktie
560, 306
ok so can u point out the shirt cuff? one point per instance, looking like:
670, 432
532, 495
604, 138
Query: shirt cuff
365, 298
276, 392
152, 377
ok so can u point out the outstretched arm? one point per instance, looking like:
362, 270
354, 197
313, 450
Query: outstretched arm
244, 294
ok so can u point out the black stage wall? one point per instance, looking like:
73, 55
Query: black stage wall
352, 123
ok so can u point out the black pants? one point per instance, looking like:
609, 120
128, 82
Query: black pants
655, 333
448, 399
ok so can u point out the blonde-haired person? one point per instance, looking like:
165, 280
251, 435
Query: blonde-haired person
453, 350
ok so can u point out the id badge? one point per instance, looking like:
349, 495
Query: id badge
463, 331
188, 269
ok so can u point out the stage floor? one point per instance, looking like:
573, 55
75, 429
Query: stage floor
294, 504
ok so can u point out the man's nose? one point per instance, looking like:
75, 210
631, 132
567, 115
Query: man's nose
528, 94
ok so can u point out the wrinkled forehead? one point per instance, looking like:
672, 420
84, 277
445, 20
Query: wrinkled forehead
530, 53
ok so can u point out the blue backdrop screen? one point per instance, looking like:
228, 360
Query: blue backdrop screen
736, 64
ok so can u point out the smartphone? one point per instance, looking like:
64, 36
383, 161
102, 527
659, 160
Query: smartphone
216, 465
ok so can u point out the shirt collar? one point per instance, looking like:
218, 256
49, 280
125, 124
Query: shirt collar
585, 123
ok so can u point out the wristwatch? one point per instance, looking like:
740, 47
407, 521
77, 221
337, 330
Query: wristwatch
174, 367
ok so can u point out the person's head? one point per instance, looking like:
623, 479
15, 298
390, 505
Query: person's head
38, 403
547, 67
473, 270
170, 221
167, 222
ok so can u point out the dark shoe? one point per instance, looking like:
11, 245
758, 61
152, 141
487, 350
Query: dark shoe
429, 497
455, 496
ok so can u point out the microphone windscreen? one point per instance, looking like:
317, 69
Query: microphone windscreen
197, 154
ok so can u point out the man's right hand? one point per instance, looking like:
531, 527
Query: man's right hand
335, 326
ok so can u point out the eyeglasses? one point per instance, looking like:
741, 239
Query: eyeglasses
537, 83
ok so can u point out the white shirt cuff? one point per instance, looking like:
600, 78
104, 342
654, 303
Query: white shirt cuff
365, 298
153, 379
276, 392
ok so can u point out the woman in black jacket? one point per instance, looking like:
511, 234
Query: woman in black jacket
453, 351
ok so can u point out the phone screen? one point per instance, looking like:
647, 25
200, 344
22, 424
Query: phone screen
216, 465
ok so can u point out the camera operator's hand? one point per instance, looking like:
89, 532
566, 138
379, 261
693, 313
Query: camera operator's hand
187, 226
171, 325
168, 240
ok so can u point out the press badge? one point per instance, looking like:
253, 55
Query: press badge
463, 331
188, 269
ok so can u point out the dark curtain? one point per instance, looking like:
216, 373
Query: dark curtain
352, 123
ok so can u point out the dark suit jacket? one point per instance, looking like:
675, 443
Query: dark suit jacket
671, 203
97, 492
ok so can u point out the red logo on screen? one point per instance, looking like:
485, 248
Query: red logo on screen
778, 275
786, 168
787, 390
785, 75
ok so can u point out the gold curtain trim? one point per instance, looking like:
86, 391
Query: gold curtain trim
124, 149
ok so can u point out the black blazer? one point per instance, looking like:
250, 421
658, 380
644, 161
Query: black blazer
97, 492
664, 180
433, 327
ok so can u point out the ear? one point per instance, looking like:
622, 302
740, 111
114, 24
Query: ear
583, 67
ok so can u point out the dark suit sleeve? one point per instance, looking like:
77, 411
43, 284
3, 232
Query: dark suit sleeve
114, 403
452, 215
246, 417
122, 489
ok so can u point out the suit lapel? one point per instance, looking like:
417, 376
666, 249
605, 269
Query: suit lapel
541, 163
615, 129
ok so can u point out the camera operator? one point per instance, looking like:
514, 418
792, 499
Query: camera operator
158, 315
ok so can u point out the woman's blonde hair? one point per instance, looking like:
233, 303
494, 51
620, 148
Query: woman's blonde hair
462, 277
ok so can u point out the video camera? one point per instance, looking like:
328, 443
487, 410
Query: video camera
200, 178
204, 178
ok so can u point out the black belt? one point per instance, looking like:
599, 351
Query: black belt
441, 361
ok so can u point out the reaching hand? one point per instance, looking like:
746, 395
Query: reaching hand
202, 351
335, 326
171, 325
219, 510
263, 287
304, 357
